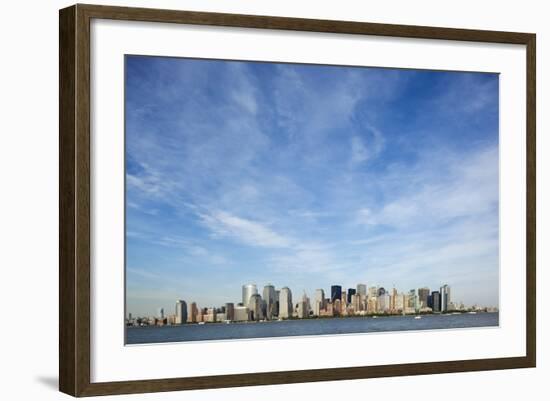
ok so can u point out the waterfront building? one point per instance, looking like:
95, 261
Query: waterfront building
399, 302
445, 294
344, 300
351, 291
229, 311
335, 293
181, 312
393, 300
285, 303
210, 315
255, 307
361, 289
319, 301
240, 313
436, 301
192, 316
423, 294
160, 313
372, 305
337, 307
303, 308
383, 302
248, 291
269, 300
373, 292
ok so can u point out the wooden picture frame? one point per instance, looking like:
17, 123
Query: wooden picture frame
74, 199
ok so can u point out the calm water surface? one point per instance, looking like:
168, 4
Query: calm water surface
222, 331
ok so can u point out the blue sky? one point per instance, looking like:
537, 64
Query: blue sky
306, 176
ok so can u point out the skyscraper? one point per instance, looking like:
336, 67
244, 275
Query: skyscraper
192, 316
335, 293
436, 301
445, 292
319, 301
255, 307
285, 303
423, 294
248, 291
269, 299
160, 313
351, 291
361, 289
230, 311
181, 312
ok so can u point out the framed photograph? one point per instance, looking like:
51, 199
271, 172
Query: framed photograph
249, 200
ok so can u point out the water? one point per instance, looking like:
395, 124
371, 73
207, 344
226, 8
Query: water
222, 331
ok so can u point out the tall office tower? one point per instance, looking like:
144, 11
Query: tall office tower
319, 301
285, 303
248, 291
181, 312
361, 289
445, 292
303, 308
255, 307
269, 299
373, 292
337, 307
351, 291
381, 291
412, 299
436, 301
423, 294
383, 302
160, 313
399, 302
230, 311
393, 299
344, 300
193, 315
335, 293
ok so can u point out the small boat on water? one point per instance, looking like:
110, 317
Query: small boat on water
472, 313
201, 322
418, 317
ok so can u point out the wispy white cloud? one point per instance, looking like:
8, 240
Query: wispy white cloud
246, 231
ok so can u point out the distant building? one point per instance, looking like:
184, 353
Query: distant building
351, 291
445, 292
423, 294
269, 300
240, 313
229, 311
193, 315
285, 303
303, 307
181, 312
335, 293
255, 307
436, 301
160, 313
248, 291
384, 302
373, 292
361, 289
381, 291
318, 302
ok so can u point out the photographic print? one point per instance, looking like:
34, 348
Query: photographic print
267, 199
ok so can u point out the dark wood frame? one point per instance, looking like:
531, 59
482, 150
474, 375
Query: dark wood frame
74, 199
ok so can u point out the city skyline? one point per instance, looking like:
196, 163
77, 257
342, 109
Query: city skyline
270, 303
304, 175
